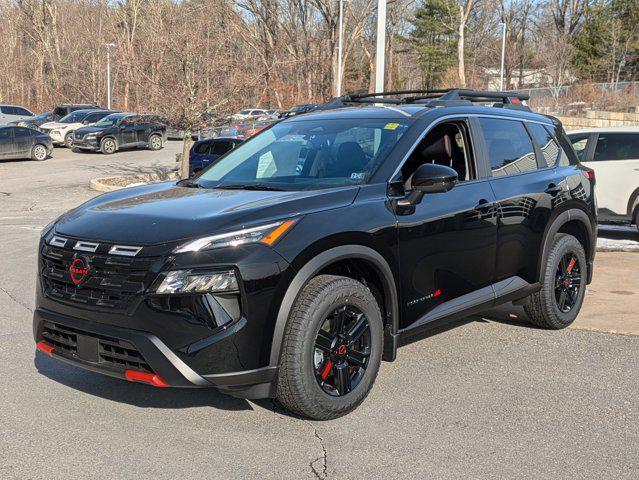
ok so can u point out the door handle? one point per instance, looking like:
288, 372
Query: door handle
483, 204
553, 189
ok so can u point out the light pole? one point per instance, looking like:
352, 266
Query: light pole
381, 45
503, 54
108, 47
339, 48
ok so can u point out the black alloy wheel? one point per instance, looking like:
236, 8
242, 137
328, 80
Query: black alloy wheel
342, 350
567, 282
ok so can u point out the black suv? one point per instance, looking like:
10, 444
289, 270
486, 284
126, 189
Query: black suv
121, 130
294, 264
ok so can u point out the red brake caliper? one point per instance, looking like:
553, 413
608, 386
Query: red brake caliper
570, 265
327, 369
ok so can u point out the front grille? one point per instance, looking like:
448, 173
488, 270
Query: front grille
113, 282
112, 353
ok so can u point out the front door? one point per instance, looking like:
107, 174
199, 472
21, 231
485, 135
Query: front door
23, 141
128, 134
447, 241
7, 147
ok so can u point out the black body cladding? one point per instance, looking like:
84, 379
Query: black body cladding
449, 253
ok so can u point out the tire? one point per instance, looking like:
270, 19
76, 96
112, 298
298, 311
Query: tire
39, 152
108, 146
320, 303
637, 219
68, 140
544, 308
155, 142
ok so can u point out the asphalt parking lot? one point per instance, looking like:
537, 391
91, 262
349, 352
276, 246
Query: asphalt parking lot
490, 397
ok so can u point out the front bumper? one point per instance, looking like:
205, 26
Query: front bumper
123, 353
86, 144
186, 340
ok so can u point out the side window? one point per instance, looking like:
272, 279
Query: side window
202, 147
579, 144
617, 146
60, 112
546, 143
446, 144
22, 111
220, 148
93, 117
510, 149
9, 110
4, 110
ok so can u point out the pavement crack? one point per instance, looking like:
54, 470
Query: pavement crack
321, 472
17, 301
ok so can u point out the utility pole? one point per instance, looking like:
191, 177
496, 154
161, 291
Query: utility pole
339, 48
108, 47
381, 45
503, 55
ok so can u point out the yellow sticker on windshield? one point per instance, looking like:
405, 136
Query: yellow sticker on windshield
391, 126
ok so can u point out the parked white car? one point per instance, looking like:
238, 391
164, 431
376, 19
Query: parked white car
250, 113
13, 113
613, 153
61, 132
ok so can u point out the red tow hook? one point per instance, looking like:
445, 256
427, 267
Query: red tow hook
44, 348
143, 377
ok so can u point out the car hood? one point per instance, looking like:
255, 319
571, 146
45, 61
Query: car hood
93, 129
165, 212
52, 125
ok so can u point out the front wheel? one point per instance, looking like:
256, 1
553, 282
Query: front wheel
332, 348
39, 153
108, 146
68, 140
155, 142
558, 302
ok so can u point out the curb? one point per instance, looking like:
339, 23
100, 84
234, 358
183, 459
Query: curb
110, 184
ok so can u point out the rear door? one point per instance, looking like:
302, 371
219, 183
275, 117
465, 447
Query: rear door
524, 186
615, 160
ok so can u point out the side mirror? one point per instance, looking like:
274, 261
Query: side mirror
430, 178
433, 178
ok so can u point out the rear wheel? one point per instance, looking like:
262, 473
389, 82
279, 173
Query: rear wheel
155, 142
68, 140
558, 302
39, 152
332, 348
108, 146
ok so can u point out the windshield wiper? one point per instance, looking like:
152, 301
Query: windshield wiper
250, 186
189, 184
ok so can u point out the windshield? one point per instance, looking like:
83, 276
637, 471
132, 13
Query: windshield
110, 120
74, 117
306, 155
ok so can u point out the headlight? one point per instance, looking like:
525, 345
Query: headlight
266, 234
188, 281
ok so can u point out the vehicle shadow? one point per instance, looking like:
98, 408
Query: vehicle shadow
136, 394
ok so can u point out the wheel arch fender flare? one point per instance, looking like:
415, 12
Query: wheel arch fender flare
315, 265
573, 214
633, 204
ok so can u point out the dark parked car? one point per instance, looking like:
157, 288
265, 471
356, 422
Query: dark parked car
294, 264
204, 152
22, 142
35, 121
66, 108
121, 130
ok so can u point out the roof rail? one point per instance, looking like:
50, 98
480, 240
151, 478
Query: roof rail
433, 98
